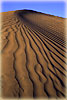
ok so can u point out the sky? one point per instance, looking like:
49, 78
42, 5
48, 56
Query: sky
53, 8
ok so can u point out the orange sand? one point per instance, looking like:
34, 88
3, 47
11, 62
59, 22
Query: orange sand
33, 55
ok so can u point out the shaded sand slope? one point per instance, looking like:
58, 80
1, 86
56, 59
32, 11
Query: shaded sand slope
33, 55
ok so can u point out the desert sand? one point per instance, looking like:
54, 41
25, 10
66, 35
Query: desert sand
33, 52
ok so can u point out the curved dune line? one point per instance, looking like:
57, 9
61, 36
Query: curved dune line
33, 55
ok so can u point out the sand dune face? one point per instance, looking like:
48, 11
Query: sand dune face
33, 55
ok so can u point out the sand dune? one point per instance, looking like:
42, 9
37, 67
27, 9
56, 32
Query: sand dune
33, 55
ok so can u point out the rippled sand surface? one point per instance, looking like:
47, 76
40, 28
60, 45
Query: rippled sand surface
33, 55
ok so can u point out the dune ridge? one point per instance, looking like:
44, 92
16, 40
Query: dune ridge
33, 55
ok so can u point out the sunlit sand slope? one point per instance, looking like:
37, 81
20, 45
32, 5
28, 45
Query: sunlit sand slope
33, 54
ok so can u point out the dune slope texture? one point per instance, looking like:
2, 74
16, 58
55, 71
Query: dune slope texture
33, 55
